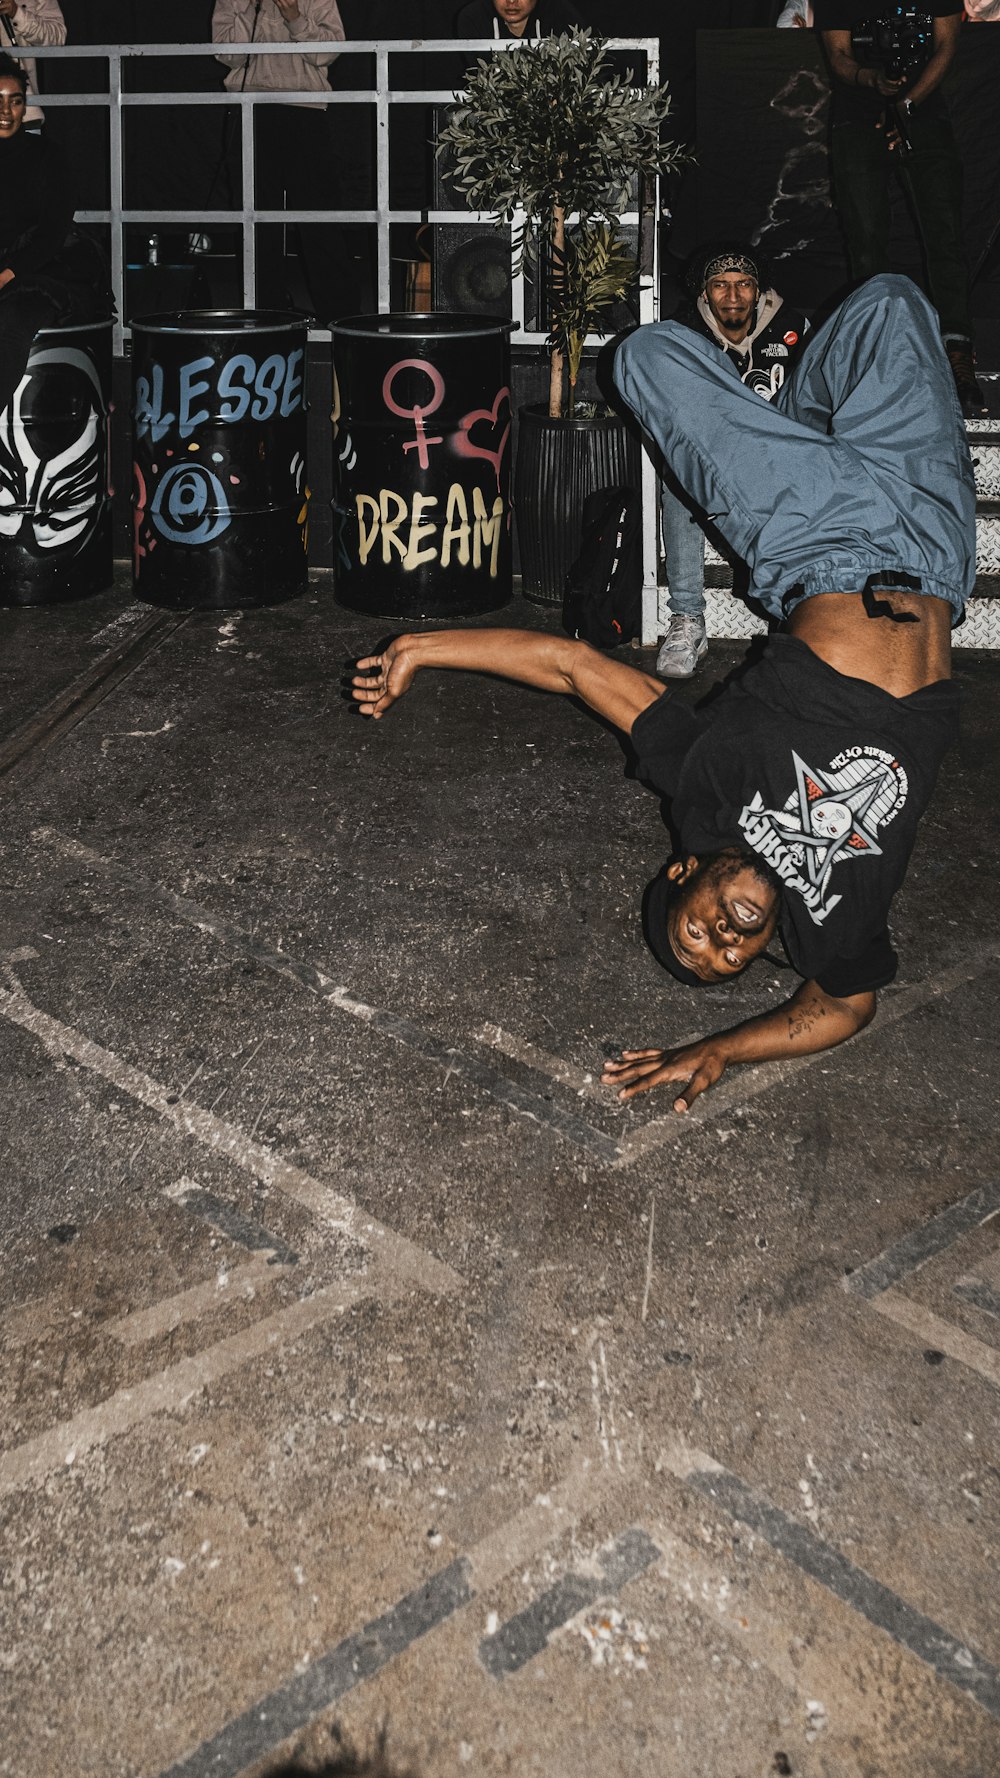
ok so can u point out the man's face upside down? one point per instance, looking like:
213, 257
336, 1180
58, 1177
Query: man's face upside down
723, 915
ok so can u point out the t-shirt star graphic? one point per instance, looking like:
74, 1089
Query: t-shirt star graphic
832, 814
828, 821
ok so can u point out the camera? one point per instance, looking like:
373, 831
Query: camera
898, 42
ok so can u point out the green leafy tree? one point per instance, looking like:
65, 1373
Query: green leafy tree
549, 130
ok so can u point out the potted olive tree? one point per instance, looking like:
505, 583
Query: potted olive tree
547, 135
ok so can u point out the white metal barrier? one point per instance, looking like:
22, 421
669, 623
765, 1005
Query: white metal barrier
382, 96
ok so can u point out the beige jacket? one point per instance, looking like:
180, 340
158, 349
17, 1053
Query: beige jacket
38, 22
241, 21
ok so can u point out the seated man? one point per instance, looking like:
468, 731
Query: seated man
516, 18
763, 336
796, 794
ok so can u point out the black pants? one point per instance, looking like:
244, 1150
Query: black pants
22, 312
296, 171
932, 181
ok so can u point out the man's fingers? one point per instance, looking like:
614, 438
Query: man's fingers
644, 1082
695, 1087
627, 1058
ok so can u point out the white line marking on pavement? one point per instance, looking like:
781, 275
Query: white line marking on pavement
169, 1390
243, 1282
735, 1090
612, 1428
649, 1256
939, 1335
395, 1253
518, 1049
531, 1102
739, 1087
595, 1393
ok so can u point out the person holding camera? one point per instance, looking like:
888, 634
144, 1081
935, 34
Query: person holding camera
893, 116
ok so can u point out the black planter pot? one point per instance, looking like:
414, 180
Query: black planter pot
560, 462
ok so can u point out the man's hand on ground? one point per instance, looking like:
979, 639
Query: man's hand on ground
698, 1065
810, 1021
381, 679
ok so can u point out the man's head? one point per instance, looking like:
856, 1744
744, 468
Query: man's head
730, 280
706, 919
515, 14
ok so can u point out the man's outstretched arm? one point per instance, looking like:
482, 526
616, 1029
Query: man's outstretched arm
810, 1021
551, 663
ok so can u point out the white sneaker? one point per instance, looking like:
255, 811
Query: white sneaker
683, 645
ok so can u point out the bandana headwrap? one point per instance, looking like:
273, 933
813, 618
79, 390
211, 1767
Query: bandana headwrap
656, 905
730, 262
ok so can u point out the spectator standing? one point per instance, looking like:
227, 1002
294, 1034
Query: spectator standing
295, 168
866, 149
37, 24
796, 13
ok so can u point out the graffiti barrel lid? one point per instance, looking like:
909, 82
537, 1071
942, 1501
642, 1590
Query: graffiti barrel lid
215, 321
434, 326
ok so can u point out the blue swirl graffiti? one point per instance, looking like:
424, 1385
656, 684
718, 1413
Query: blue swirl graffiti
190, 505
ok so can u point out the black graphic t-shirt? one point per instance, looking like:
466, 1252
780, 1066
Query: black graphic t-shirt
824, 778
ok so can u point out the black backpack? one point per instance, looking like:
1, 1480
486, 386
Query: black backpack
603, 598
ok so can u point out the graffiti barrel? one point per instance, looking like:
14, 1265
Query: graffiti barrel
421, 470
55, 509
220, 500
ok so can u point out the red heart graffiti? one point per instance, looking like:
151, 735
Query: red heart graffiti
463, 442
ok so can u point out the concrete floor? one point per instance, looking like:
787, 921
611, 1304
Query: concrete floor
364, 1362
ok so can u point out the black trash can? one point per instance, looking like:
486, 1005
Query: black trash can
421, 470
220, 497
55, 511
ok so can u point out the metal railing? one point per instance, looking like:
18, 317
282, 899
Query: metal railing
382, 216
381, 96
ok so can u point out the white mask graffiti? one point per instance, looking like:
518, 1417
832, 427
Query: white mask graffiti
53, 500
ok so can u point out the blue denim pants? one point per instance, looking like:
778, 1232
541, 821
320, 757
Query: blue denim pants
684, 552
859, 466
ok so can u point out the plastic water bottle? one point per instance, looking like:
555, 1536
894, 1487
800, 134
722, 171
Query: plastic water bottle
153, 250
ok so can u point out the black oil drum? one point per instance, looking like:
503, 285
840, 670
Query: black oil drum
421, 471
55, 510
220, 501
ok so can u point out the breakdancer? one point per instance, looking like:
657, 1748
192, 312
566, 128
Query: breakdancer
796, 794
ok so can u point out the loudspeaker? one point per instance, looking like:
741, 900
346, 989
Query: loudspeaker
470, 262
471, 269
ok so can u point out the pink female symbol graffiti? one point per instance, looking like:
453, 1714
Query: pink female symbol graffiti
420, 442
